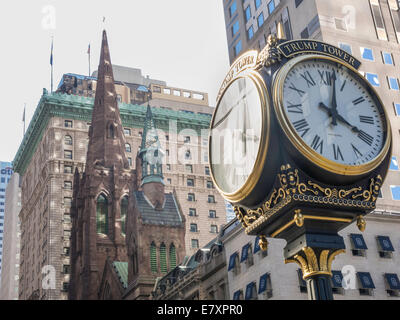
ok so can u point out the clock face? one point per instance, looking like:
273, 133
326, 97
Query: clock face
333, 114
235, 135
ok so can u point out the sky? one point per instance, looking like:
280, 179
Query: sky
182, 42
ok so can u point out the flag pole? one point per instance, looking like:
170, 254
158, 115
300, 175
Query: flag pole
89, 58
51, 63
23, 119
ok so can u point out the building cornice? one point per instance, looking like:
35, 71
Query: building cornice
80, 108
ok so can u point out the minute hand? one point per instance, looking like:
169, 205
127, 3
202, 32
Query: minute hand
353, 128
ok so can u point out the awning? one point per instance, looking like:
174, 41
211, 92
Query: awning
393, 281
245, 252
385, 243
337, 278
236, 295
250, 290
358, 241
232, 260
263, 283
257, 244
366, 280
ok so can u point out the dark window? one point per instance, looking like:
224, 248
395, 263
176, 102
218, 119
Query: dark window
128, 147
66, 269
212, 214
191, 197
207, 171
210, 185
192, 212
211, 199
68, 185
190, 182
193, 227
68, 124
377, 15
195, 243
67, 169
124, 212
127, 132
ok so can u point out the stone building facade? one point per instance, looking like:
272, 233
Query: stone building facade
11, 241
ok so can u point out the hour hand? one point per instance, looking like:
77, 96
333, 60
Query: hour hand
331, 112
353, 128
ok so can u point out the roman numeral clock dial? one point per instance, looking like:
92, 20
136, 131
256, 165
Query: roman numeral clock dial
331, 114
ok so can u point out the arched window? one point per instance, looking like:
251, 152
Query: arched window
124, 211
102, 214
153, 258
172, 256
128, 147
68, 140
111, 131
163, 258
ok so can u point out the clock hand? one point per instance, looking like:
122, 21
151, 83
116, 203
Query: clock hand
353, 128
323, 106
334, 103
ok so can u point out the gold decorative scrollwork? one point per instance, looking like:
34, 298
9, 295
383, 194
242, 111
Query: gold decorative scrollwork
290, 187
314, 261
361, 223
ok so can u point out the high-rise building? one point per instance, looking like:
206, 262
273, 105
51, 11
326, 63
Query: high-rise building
368, 29
5, 176
11, 241
56, 143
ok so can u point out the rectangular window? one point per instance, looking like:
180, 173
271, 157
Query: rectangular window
387, 58
67, 202
212, 214
257, 3
248, 13
378, 19
214, 229
192, 212
66, 269
393, 83
260, 20
191, 197
68, 154
168, 166
372, 78
127, 132
211, 199
238, 48
367, 54
210, 185
169, 181
304, 34
193, 227
195, 243
189, 168
67, 169
395, 192
207, 171
130, 161
346, 47
250, 33
235, 28
68, 124
190, 182
271, 6
68, 185
232, 9
394, 165
187, 139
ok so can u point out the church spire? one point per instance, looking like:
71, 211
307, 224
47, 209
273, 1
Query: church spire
151, 152
106, 137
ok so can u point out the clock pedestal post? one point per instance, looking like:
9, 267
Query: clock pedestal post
315, 253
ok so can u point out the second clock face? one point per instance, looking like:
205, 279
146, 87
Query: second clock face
334, 112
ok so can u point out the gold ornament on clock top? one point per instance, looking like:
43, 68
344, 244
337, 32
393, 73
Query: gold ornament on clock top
305, 150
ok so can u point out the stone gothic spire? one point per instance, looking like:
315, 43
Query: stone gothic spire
151, 152
106, 136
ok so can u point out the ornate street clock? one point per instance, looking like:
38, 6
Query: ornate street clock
331, 117
300, 144
240, 137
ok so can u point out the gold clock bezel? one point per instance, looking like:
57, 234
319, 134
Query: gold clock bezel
298, 142
248, 186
